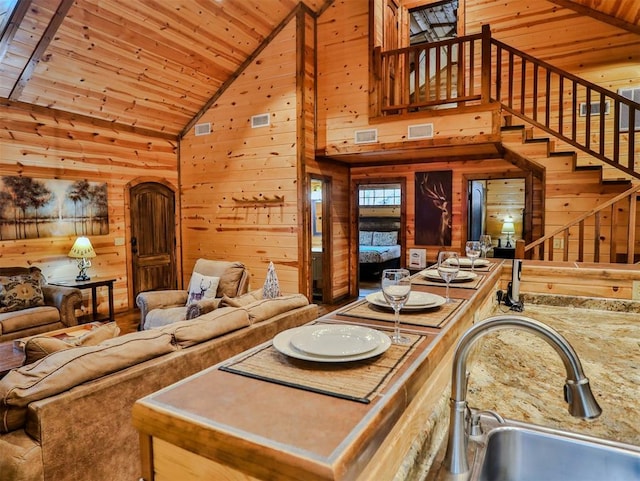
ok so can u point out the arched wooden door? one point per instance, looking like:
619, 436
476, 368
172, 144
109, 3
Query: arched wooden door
153, 237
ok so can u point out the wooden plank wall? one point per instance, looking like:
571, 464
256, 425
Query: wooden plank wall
489, 168
47, 144
236, 162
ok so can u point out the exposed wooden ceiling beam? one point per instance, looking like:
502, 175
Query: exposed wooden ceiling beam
14, 20
603, 17
70, 116
44, 42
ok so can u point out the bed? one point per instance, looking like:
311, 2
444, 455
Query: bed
378, 250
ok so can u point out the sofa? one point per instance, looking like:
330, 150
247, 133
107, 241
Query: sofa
67, 416
158, 308
30, 306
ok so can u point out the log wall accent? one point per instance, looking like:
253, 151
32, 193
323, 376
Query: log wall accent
45, 143
238, 161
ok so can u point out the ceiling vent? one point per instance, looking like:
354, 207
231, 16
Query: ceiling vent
420, 131
203, 129
366, 136
261, 120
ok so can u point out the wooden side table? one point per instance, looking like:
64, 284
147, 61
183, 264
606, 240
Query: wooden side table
92, 284
504, 252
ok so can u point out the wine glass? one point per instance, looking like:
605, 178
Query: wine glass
485, 244
448, 267
396, 287
473, 250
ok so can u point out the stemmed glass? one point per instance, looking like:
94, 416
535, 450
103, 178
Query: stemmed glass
473, 250
485, 244
396, 287
448, 267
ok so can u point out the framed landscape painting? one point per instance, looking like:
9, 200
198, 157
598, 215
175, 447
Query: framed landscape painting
37, 208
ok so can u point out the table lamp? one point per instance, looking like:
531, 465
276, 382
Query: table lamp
82, 250
509, 229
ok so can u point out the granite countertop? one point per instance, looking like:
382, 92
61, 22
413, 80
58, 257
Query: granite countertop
521, 377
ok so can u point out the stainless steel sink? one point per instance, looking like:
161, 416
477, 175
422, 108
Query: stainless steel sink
523, 452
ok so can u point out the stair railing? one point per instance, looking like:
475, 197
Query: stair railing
478, 69
601, 226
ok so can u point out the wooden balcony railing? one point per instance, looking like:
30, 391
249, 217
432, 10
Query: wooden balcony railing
595, 236
479, 69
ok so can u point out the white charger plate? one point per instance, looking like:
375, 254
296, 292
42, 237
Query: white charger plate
332, 340
417, 301
466, 262
282, 343
463, 276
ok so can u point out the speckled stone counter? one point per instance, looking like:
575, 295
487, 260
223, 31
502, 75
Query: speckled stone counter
521, 377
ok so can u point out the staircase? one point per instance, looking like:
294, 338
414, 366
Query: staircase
584, 163
576, 194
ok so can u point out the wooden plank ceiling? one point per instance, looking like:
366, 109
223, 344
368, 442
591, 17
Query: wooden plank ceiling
152, 64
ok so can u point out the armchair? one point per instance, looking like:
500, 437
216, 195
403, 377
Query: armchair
30, 306
158, 308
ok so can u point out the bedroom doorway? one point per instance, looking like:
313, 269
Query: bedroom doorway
320, 215
381, 243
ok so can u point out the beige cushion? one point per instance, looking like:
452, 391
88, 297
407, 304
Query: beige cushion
37, 347
96, 335
40, 346
208, 326
267, 308
243, 300
67, 368
27, 318
230, 280
162, 317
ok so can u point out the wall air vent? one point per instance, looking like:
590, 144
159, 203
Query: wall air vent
261, 120
420, 131
594, 109
366, 136
203, 129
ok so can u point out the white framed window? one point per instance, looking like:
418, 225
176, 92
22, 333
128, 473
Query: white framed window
376, 196
631, 94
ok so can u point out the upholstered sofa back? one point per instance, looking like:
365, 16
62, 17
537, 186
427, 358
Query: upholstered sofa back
81, 428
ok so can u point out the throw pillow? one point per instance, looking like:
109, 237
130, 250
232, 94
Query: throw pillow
96, 336
366, 238
202, 287
38, 347
20, 292
271, 286
385, 238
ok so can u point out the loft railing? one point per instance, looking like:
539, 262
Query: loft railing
592, 233
430, 75
477, 69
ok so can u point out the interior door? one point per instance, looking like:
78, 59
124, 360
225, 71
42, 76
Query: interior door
153, 237
476, 210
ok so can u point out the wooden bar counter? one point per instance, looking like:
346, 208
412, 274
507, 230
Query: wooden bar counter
221, 425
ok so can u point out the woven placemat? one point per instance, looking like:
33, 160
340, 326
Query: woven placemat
428, 318
359, 381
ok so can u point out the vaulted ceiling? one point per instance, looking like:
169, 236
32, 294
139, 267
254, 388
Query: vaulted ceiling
153, 64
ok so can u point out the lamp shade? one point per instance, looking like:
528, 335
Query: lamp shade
508, 227
82, 249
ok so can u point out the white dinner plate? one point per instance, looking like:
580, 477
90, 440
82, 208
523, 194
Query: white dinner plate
463, 276
282, 343
417, 300
332, 340
466, 262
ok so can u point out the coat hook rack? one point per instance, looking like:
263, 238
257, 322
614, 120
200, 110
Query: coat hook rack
276, 199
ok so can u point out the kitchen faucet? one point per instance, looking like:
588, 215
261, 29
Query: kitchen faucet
577, 392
